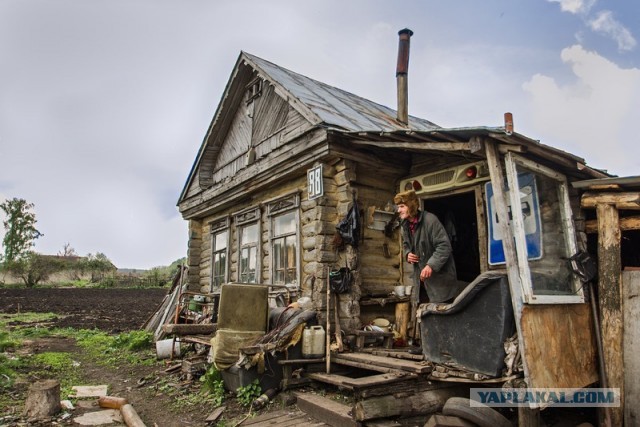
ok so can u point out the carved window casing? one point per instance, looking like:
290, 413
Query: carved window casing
284, 240
219, 253
248, 225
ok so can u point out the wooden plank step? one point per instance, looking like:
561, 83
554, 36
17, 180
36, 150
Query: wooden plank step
367, 366
326, 410
357, 383
283, 418
334, 379
372, 361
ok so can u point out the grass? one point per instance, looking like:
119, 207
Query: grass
18, 367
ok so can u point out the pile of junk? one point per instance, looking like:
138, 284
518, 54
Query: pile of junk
248, 332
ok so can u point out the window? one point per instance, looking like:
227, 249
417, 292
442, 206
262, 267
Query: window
284, 241
219, 253
254, 90
545, 273
248, 244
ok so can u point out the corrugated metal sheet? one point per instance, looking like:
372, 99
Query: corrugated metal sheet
335, 107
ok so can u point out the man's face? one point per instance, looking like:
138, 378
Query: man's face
403, 211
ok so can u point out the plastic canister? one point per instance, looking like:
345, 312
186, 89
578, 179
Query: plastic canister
313, 342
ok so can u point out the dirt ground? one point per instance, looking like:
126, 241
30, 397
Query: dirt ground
114, 311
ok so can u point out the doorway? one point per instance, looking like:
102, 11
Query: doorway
457, 213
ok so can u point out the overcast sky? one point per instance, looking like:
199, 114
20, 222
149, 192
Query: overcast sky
104, 103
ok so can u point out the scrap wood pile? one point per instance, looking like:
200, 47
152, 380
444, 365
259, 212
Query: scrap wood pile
167, 307
181, 312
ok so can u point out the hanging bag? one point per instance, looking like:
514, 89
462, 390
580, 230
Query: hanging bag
583, 266
349, 227
340, 280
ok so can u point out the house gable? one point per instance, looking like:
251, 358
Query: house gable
256, 115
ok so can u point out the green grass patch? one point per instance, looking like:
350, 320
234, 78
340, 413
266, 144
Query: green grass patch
58, 366
134, 347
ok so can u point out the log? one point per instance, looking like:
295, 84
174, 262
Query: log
409, 404
130, 416
43, 400
403, 312
190, 329
111, 402
626, 224
630, 200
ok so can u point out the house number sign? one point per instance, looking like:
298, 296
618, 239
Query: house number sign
314, 182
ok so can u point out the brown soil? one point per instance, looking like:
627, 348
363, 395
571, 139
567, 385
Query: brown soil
114, 311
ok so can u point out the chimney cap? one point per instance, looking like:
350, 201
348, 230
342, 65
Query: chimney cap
405, 31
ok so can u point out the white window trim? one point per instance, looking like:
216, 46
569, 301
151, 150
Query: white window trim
248, 217
277, 207
512, 160
218, 225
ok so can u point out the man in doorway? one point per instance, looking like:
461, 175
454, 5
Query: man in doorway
426, 245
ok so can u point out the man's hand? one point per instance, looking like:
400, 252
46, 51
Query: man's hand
412, 258
426, 272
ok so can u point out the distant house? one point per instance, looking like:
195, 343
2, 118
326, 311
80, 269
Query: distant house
286, 156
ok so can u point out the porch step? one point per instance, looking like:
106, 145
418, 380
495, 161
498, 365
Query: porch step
326, 410
283, 418
381, 363
349, 383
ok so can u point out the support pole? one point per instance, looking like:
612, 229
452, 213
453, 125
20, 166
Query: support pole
610, 301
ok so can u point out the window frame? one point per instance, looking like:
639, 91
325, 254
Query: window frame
242, 219
275, 209
219, 226
513, 160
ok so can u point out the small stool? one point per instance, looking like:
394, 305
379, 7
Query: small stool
387, 338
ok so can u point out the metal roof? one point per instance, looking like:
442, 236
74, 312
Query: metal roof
335, 107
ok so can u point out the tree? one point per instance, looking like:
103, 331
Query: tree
98, 265
20, 229
34, 268
67, 250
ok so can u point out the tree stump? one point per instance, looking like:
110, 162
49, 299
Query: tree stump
43, 400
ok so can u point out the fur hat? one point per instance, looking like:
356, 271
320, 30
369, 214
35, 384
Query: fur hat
410, 199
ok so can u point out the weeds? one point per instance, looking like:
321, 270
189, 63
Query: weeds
213, 384
247, 394
55, 365
134, 347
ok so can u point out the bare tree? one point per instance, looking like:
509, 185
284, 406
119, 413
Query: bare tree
67, 250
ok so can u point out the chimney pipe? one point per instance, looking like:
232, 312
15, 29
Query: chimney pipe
508, 123
402, 70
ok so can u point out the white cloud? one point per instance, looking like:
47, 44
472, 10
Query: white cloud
595, 116
604, 23
575, 6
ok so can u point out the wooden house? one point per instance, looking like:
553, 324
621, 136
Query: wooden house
286, 157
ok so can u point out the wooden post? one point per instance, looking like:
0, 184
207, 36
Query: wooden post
610, 301
403, 310
43, 400
631, 304
337, 320
328, 332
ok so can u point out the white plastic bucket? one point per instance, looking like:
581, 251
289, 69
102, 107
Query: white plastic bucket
313, 342
163, 348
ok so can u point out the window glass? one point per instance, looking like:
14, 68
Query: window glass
248, 253
219, 258
284, 224
284, 244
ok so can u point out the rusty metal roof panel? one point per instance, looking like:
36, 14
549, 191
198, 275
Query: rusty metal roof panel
335, 107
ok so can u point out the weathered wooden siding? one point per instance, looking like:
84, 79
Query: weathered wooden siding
265, 124
561, 349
